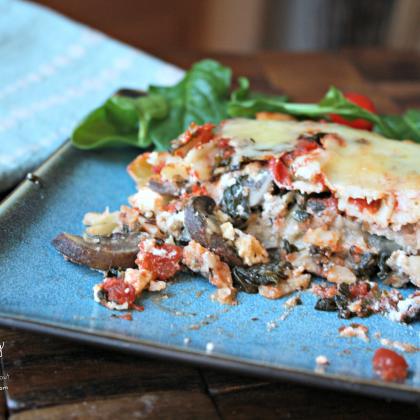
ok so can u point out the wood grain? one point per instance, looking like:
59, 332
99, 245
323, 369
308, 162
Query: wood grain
378, 65
183, 405
47, 371
294, 73
143, 24
288, 401
3, 408
218, 382
306, 77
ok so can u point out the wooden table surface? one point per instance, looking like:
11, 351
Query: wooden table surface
51, 378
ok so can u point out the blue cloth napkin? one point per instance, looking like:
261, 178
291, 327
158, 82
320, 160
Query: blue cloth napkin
52, 73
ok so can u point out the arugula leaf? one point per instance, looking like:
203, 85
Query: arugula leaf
333, 102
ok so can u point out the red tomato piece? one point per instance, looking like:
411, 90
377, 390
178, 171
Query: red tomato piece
359, 289
118, 291
389, 365
363, 204
158, 168
173, 206
195, 136
331, 203
198, 189
324, 291
304, 146
226, 150
162, 260
204, 133
280, 171
223, 143
320, 178
363, 102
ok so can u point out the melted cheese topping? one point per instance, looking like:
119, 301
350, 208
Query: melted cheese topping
366, 165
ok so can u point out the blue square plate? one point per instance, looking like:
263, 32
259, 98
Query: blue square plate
42, 292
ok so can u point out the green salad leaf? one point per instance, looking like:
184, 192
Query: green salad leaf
203, 95
406, 126
200, 97
245, 103
108, 125
333, 102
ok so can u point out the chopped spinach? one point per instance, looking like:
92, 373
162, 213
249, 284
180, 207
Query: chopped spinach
288, 247
112, 272
249, 278
384, 269
316, 251
342, 303
344, 289
317, 206
326, 304
367, 265
235, 201
300, 215
317, 137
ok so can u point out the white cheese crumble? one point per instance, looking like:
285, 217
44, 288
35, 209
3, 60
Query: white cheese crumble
250, 249
160, 252
102, 224
404, 264
146, 200
228, 231
354, 330
227, 180
271, 325
322, 360
171, 223
139, 279
157, 286
209, 347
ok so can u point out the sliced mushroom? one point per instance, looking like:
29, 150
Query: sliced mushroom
204, 229
119, 250
164, 187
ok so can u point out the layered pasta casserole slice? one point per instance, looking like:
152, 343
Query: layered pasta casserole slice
264, 206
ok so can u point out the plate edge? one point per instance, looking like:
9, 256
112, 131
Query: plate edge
200, 360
